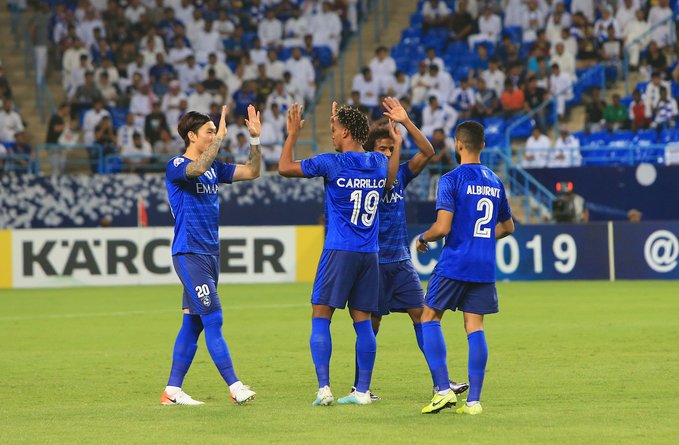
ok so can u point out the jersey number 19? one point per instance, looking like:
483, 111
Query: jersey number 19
369, 206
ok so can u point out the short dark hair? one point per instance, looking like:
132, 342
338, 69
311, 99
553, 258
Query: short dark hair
355, 121
471, 134
191, 121
376, 133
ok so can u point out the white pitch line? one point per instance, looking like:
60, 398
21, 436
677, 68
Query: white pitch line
226, 309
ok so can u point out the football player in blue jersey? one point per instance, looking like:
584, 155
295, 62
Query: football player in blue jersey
348, 270
400, 286
192, 184
472, 212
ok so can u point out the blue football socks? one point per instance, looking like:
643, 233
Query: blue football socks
217, 347
418, 336
478, 357
366, 349
184, 349
320, 343
435, 352
375, 331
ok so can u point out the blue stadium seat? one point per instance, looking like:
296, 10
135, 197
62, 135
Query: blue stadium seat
621, 138
490, 47
523, 130
460, 49
645, 137
416, 19
599, 138
113, 164
285, 53
626, 101
669, 135
582, 137
324, 55
411, 33
594, 156
495, 140
641, 86
675, 89
653, 155
118, 116
494, 125
515, 33
611, 73
460, 72
248, 38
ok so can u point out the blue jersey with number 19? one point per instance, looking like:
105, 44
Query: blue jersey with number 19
477, 198
195, 205
354, 185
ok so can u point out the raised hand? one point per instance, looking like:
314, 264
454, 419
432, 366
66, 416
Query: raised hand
253, 122
394, 133
222, 130
295, 121
395, 110
334, 109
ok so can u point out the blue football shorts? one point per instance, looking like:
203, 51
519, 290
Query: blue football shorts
400, 288
476, 298
347, 278
199, 274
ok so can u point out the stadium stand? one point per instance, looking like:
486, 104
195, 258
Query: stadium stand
133, 54
138, 56
521, 41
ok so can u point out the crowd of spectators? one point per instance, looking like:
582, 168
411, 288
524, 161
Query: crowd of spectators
140, 64
495, 58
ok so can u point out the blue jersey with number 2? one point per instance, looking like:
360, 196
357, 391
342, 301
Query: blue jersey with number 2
354, 185
477, 198
195, 205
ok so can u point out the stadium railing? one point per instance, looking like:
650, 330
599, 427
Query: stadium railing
93, 158
536, 198
594, 76
624, 153
327, 82
378, 11
625, 61
16, 23
18, 163
44, 102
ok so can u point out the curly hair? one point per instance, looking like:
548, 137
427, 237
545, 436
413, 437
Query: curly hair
376, 133
355, 121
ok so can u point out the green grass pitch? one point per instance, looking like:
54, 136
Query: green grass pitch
570, 363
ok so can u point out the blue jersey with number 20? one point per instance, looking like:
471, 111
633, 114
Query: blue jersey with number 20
477, 198
195, 205
354, 185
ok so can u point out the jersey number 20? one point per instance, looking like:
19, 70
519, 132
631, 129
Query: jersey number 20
372, 199
484, 205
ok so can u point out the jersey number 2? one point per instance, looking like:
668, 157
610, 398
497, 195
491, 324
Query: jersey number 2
372, 199
484, 205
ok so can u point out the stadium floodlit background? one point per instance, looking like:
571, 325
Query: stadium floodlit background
578, 99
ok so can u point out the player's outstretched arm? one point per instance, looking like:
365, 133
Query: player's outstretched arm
395, 159
205, 160
397, 113
287, 166
250, 170
504, 228
441, 228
